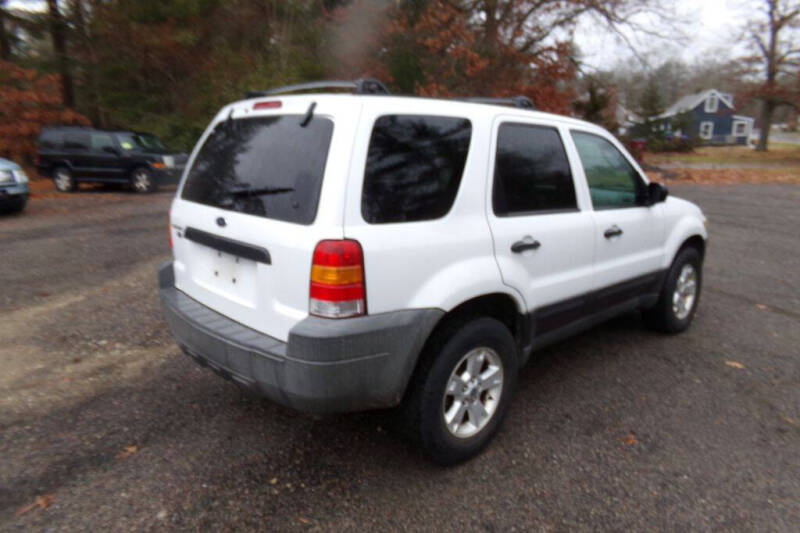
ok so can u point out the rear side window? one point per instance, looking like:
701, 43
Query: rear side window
50, 139
531, 171
270, 167
414, 167
101, 141
76, 140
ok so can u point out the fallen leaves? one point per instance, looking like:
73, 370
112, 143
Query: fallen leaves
762, 307
630, 439
127, 451
303, 520
735, 364
41, 502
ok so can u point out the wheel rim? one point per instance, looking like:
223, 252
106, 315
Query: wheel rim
685, 292
141, 181
472, 393
62, 180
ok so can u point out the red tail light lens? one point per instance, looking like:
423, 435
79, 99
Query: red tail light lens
337, 280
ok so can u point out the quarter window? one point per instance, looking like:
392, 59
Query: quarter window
613, 182
531, 172
414, 167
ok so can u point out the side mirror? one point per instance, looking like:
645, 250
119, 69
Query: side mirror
656, 193
110, 150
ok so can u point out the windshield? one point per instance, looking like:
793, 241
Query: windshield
268, 166
139, 142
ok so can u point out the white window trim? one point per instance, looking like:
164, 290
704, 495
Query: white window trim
712, 98
740, 123
710, 134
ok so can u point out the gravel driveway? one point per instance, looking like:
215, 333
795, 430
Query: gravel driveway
105, 424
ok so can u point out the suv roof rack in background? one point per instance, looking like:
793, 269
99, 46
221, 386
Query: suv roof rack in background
522, 102
362, 86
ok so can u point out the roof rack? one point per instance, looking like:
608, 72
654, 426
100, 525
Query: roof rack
522, 102
361, 86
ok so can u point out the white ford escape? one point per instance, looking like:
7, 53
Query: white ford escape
342, 252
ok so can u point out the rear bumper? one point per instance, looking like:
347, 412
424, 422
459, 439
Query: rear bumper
326, 366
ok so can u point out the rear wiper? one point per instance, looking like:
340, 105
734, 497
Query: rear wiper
249, 191
309, 115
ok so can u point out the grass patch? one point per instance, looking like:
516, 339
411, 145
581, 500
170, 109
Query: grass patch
779, 153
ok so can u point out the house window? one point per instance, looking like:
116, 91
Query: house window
712, 104
739, 129
706, 130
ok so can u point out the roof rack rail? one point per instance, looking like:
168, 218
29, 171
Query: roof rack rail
361, 86
522, 102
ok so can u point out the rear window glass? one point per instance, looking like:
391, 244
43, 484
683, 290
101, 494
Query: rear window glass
76, 140
531, 171
268, 166
414, 167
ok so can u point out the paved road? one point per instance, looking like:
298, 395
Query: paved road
106, 424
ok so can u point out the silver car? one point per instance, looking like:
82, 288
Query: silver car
13, 187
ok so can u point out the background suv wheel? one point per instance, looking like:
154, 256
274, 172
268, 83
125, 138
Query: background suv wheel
142, 180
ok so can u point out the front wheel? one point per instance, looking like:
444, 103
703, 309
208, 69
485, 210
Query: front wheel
680, 294
142, 180
463, 390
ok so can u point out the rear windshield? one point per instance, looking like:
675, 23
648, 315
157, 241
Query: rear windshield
270, 167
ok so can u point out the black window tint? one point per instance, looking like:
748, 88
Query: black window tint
414, 167
268, 166
50, 139
613, 182
76, 140
101, 140
531, 171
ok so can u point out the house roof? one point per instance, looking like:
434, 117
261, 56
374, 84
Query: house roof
693, 100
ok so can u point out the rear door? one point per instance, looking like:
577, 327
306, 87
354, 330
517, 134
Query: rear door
76, 151
264, 186
628, 234
104, 157
542, 229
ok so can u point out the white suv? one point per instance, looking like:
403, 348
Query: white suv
343, 252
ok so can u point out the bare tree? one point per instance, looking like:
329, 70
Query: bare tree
779, 55
58, 32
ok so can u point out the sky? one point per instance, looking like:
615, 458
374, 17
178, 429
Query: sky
707, 27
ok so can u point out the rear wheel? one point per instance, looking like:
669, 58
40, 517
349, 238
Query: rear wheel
680, 294
462, 390
63, 179
142, 180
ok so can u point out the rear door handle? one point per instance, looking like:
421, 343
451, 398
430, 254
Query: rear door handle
526, 244
613, 231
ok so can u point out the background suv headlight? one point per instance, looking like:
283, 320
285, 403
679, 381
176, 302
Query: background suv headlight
6, 176
21, 176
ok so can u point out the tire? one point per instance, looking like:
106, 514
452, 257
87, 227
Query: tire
63, 179
674, 311
15, 207
142, 180
482, 342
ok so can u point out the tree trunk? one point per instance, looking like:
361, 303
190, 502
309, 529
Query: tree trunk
5, 44
58, 32
767, 107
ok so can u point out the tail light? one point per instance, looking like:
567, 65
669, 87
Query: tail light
337, 280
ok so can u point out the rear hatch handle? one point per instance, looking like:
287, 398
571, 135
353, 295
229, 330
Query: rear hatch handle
228, 246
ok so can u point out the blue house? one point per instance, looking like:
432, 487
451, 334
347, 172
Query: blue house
709, 116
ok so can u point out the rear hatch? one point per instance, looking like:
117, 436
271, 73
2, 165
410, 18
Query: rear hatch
266, 183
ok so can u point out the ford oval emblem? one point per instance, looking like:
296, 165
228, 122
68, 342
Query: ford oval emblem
221, 222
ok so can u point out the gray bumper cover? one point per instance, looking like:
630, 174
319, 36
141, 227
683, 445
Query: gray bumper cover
327, 366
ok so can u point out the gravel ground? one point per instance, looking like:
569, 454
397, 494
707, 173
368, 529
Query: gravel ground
105, 424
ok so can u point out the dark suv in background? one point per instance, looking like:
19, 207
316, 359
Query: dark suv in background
71, 154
